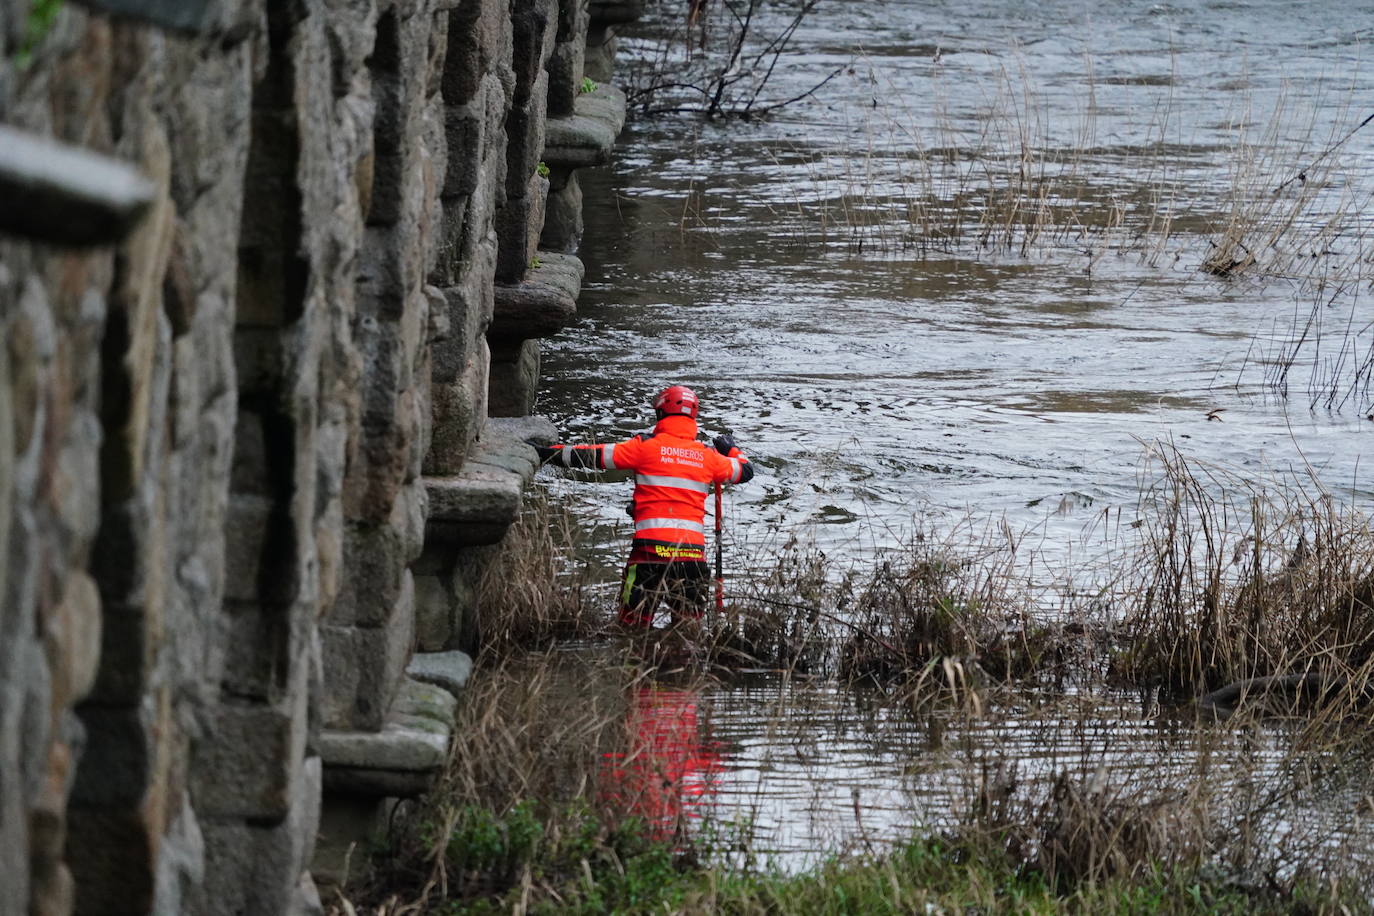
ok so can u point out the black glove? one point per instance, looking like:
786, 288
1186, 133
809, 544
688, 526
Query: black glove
724, 443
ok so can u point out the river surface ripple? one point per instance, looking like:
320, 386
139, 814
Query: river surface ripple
882, 381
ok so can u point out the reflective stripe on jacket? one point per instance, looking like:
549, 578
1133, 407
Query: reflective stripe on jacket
673, 475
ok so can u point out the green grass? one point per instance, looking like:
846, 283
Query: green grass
499, 865
39, 21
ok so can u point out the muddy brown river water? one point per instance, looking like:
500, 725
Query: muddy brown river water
820, 279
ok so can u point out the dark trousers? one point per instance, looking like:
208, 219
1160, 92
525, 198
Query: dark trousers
684, 585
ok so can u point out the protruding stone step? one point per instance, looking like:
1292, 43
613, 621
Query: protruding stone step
587, 137
404, 758
542, 304
64, 194
449, 670
479, 505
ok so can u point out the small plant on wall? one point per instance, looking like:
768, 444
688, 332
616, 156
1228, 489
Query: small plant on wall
42, 14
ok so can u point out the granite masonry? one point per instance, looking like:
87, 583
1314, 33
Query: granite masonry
273, 275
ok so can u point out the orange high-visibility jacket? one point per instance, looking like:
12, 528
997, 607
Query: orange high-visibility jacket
673, 474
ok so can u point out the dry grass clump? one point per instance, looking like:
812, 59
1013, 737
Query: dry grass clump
1241, 816
521, 787
948, 613
784, 615
1287, 205
532, 587
1079, 830
1236, 582
943, 603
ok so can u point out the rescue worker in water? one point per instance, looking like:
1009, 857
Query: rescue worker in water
673, 474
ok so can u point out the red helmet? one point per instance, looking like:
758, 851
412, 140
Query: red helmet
677, 399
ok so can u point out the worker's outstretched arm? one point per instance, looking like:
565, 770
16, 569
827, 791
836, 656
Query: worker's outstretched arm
580, 457
741, 471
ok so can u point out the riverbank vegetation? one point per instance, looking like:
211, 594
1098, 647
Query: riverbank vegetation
587, 771
579, 789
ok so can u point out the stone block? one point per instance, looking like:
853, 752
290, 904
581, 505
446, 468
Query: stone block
574, 18
599, 60
246, 532
59, 193
257, 641
375, 560
468, 306
477, 507
459, 410
525, 137
449, 670
514, 379
518, 227
379, 661
390, 268
422, 413
434, 622
452, 260
509, 435
349, 826
567, 67
340, 660
382, 463
540, 306
402, 759
423, 700
535, 29
247, 763
474, 131
588, 136
563, 217
256, 868
74, 640
480, 42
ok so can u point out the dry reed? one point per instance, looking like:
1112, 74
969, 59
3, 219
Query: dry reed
1233, 582
531, 590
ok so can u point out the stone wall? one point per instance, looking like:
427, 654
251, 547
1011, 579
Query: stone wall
268, 269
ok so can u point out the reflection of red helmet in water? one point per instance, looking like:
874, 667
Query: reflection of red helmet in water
676, 399
669, 771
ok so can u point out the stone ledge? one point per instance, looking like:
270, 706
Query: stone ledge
480, 504
65, 194
449, 670
542, 304
587, 137
401, 760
